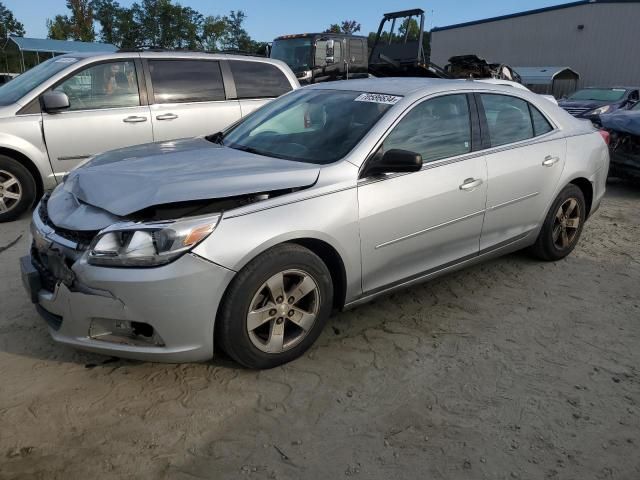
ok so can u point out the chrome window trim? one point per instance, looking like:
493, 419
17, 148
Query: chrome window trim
465, 156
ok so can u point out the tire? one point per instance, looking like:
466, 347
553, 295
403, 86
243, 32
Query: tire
17, 189
253, 315
559, 234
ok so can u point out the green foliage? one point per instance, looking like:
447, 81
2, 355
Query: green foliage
154, 24
347, 26
8, 23
77, 26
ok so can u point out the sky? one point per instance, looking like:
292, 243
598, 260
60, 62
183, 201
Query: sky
267, 19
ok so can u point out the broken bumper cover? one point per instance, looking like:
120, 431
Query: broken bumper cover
178, 300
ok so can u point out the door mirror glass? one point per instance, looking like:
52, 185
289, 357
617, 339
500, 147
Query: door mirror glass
53, 102
394, 161
330, 52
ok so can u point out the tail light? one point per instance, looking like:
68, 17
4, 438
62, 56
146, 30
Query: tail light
605, 136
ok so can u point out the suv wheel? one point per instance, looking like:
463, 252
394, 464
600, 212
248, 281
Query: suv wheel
17, 189
562, 226
276, 307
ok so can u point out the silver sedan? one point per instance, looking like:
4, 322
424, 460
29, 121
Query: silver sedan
250, 238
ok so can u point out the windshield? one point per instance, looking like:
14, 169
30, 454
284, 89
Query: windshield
311, 126
636, 106
295, 52
599, 94
21, 85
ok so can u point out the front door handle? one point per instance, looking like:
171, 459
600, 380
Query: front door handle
550, 161
167, 116
134, 119
470, 183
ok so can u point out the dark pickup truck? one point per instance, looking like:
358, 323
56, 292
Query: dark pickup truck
321, 57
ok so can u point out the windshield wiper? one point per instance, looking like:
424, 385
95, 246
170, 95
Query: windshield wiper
217, 137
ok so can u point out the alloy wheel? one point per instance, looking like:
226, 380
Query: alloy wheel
283, 311
566, 224
10, 191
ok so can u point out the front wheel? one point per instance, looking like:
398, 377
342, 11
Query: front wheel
276, 307
17, 189
562, 226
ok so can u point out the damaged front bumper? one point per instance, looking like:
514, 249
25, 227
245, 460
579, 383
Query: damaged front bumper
162, 314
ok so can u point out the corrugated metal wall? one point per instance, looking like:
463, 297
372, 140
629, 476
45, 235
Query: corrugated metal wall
604, 53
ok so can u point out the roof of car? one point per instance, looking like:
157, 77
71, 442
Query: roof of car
406, 86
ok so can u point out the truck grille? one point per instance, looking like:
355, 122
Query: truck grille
575, 111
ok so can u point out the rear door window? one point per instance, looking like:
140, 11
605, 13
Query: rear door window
356, 50
184, 81
258, 79
508, 119
436, 129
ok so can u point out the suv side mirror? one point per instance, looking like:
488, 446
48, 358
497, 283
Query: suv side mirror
53, 102
394, 161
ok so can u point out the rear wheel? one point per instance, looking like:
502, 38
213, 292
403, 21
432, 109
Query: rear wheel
562, 226
17, 189
276, 307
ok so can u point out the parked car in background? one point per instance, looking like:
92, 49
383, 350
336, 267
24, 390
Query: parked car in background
324, 199
73, 106
590, 102
624, 128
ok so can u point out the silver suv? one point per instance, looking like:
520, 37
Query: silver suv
74, 106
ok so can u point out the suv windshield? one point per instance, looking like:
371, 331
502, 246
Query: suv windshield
599, 94
21, 85
312, 126
295, 52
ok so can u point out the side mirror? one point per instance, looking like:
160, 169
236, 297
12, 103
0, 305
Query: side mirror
329, 57
53, 102
394, 161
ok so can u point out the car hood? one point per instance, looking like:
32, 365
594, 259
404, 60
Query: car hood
624, 121
128, 180
589, 104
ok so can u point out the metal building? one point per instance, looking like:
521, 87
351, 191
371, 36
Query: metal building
19, 54
556, 81
596, 38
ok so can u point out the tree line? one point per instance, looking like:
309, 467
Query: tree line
165, 24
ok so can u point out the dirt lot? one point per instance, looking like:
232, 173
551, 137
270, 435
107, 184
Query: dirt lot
512, 369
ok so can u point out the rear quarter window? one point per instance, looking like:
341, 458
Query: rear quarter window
258, 79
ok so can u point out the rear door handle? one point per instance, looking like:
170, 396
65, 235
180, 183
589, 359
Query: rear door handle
470, 184
550, 161
134, 119
167, 116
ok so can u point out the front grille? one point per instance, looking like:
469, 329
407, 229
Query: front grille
575, 111
82, 238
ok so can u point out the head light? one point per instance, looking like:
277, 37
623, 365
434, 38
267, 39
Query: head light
151, 244
601, 110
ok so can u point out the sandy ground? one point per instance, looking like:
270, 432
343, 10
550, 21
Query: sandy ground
512, 369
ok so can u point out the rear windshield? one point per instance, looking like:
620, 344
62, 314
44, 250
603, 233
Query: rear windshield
21, 85
599, 94
295, 52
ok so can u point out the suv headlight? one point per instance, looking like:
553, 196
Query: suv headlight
131, 244
601, 110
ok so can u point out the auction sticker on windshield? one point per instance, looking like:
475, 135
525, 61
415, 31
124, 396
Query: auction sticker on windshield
378, 98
